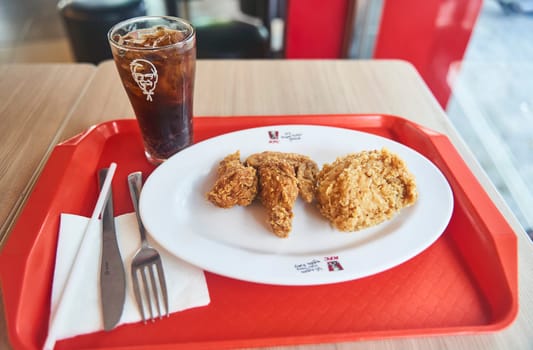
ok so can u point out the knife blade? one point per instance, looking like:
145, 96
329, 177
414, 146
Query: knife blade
112, 275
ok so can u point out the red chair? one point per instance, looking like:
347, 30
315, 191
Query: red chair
431, 34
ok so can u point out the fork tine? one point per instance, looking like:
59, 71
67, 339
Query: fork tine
137, 292
147, 292
155, 291
163, 284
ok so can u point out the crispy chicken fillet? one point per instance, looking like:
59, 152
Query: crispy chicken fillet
278, 189
364, 189
305, 169
236, 184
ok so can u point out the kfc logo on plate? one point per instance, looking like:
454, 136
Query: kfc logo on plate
333, 263
273, 136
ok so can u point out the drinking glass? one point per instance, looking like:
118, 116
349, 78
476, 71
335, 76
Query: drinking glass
156, 60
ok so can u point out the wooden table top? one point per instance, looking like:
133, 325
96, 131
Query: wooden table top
52, 102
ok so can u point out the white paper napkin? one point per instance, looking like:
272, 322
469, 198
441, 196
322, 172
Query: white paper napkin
186, 283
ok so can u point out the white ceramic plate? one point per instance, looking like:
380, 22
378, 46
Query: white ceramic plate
237, 242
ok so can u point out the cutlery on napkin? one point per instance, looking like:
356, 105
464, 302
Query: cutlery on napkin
73, 276
75, 304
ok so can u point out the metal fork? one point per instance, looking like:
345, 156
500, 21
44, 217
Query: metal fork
145, 261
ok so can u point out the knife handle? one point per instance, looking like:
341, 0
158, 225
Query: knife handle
108, 208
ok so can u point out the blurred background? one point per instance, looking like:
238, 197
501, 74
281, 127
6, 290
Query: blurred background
476, 56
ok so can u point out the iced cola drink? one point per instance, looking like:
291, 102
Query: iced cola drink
155, 57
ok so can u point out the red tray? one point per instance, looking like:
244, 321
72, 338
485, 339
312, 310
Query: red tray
466, 282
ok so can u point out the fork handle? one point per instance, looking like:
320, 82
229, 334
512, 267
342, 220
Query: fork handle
135, 185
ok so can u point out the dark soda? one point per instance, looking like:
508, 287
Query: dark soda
157, 68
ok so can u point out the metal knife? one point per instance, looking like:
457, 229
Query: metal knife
112, 275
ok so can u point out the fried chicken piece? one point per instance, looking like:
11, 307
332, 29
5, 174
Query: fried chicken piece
305, 168
278, 192
236, 184
364, 189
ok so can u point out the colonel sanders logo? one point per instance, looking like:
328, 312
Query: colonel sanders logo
273, 136
145, 75
335, 266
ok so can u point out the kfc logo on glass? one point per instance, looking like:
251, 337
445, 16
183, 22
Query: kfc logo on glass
145, 75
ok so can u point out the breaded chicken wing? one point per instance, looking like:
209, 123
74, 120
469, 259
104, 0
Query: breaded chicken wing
236, 184
304, 167
278, 189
